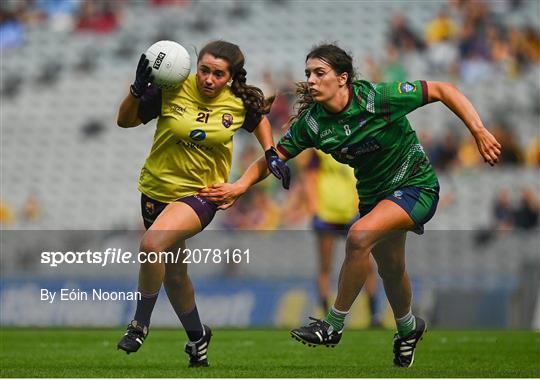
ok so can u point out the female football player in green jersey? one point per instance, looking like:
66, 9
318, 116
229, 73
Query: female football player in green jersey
363, 125
192, 149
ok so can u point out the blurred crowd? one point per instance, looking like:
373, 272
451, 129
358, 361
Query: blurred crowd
522, 214
468, 39
29, 213
511, 210
92, 16
60, 15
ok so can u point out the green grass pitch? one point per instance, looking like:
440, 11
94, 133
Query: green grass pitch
266, 353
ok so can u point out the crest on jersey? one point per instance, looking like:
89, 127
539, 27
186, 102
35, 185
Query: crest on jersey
149, 206
227, 120
404, 87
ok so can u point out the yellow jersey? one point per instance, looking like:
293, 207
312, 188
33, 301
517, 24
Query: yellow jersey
193, 141
337, 200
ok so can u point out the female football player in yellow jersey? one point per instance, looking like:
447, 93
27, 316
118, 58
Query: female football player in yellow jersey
328, 187
364, 125
333, 202
192, 149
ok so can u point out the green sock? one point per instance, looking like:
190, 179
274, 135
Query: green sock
336, 318
406, 324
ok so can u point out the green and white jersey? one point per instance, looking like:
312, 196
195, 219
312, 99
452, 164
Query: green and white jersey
372, 135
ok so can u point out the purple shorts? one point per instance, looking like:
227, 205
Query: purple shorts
323, 227
204, 209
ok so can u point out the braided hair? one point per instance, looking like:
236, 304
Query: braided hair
334, 56
252, 97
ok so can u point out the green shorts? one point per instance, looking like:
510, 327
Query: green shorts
420, 203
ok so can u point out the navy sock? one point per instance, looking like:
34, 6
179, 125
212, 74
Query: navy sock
372, 305
192, 324
145, 306
324, 304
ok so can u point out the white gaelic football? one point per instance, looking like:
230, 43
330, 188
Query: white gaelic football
170, 63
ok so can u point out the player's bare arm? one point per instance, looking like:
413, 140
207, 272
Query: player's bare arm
447, 93
263, 132
128, 112
225, 194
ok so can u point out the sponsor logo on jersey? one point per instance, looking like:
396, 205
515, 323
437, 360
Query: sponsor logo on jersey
404, 87
398, 194
193, 145
178, 109
197, 134
149, 206
326, 132
227, 120
204, 109
367, 145
159, 59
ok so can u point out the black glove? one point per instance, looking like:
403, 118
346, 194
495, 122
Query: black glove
143, 78
278, 167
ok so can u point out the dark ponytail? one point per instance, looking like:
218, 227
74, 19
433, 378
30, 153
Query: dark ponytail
252, 97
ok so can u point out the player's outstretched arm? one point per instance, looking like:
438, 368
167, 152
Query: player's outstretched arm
225, 194
488, 146
129, 108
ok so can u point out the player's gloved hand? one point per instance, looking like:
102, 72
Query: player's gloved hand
143, 77
278, 167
